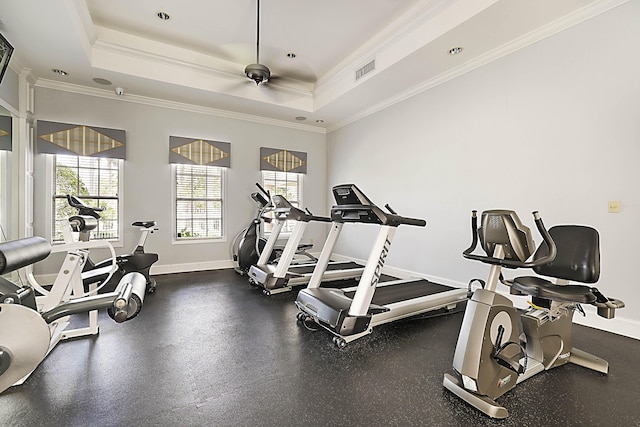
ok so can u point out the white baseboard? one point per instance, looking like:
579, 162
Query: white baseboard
618, 325
192, 266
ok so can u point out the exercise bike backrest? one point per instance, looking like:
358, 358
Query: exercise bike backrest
503, 228
578, 254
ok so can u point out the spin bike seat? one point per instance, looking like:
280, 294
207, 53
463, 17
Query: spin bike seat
145, 224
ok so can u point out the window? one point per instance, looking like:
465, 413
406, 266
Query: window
96, 181
199, 200
287, 184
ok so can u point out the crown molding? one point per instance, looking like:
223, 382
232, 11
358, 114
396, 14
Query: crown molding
155, 102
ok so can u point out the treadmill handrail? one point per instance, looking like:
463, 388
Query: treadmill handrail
382, 217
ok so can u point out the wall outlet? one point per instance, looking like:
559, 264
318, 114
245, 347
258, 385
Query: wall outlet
614, 206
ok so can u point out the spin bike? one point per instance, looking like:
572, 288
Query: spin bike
136, 261
31, 325
249, 244
500, 346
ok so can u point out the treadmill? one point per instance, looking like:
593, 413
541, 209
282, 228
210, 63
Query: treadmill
282, 276
350, 314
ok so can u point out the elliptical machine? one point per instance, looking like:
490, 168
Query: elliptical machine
249, 244
136, 261
500, 346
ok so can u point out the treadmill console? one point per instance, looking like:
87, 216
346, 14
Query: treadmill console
349, 194
354, 206
284, 210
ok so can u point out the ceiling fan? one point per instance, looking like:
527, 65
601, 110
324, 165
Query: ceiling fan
257, 72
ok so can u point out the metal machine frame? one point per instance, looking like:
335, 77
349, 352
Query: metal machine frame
282, 276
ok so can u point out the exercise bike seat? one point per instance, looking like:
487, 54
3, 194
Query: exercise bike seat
577, 260
145, 224
542, 288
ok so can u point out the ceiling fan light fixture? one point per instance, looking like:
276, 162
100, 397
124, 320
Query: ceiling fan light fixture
258, 73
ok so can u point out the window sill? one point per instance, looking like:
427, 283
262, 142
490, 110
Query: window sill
196, 240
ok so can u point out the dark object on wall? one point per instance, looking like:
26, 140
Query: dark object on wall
5, 55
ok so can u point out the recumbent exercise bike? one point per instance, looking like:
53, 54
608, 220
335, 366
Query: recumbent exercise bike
500, 346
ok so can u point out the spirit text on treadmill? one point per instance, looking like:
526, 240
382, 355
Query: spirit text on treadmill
383, 256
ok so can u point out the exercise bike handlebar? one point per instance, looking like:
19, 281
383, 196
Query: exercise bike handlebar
510, 263
83, 209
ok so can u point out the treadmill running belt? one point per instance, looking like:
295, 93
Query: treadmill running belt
308, 269
404, 291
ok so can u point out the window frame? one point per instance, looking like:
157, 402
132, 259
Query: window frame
288, 226
5, 195
51, 188
174, 220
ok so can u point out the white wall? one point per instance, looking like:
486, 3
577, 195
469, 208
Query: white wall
9, 90
148, 179
553, 127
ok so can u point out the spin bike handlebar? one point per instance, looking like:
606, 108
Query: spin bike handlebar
510, 263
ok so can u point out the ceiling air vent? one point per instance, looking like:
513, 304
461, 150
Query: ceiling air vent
366, 69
